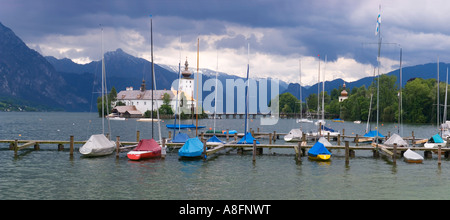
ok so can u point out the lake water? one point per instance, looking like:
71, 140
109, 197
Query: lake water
51, 174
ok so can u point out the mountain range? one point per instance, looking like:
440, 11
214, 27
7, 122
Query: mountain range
46, 83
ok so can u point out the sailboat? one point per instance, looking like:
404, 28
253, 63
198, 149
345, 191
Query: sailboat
214, 139
323, 130
296, 133
147, 148
193, 147
248, 138
98, 144
445, 126
376, 134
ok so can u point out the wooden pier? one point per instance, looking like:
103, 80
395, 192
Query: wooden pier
342, 143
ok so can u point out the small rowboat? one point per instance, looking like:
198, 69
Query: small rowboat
412, 157
147, 148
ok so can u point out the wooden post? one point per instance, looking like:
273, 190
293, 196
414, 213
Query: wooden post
413, 144
394, 156
117, 146
270, 138
257, 129
138, 134
204, 149
339, 140
347, 153
254, 150
60, 147
439, 155
71, 146
328, 137
16, 147
170, 134
356, 139
228, 135
201, 136
299, 155
343, 131
274, 136
235, 137
163, 149
36, 146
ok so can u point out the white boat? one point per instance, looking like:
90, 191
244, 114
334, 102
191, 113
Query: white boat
294, 135
357, 122
116, 119
304, 120
148, 119
412, 157
434, 142
97, 145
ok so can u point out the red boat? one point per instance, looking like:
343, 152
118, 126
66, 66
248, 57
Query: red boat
147, 148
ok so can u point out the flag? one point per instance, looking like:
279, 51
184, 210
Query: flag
377, 30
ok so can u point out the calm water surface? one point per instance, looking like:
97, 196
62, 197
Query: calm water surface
51, 174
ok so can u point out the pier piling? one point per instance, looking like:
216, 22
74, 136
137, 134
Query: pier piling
71, 146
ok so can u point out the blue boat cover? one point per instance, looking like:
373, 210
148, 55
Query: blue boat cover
317, 149
180, 138
182, 126
436, 139
373, 134
214, 139
192, 148
327, 129
247, 139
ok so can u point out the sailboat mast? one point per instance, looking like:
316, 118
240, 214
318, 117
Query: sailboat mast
246, 90
437, 94
323, 91
151, 42
178, 89
400, 106
318, 91
300, 89
378, 74
103, 88
444, 117
215, 95
196, 110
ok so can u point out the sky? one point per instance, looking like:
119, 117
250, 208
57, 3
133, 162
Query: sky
284, 37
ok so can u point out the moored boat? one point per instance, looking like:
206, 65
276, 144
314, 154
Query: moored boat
319, 152
412, 157
147, 148
97, 145
435, 141
191, 149
294, 135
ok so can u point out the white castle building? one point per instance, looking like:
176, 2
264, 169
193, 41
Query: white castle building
137, 102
